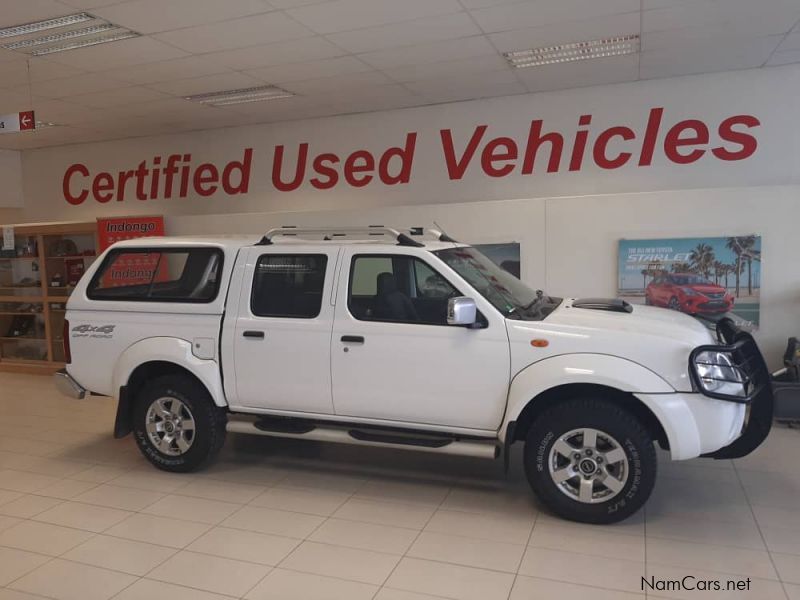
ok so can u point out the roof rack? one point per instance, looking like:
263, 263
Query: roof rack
331, 233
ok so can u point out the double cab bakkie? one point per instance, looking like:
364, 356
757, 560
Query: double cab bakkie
405, 339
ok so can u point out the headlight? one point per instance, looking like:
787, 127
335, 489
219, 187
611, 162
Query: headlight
717, 373
689, 292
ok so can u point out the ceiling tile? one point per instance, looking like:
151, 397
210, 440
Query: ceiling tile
167, 70
117, 55
150, 16
236, 33
784, 58
539, 13
16, 99
598, 71
329, 67
467, 69
407, 33
13, 73
763, 17
473, 4
116, 97
209, 83
327, 85
790, 42
573, 31
707, 57
43, 70
428, 53
280, 53
500, 83
88, 4
344, 15
69, 86
17, 12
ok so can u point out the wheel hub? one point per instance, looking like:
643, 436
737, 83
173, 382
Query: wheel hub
170, 426
588, 465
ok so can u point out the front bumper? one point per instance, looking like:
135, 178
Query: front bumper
760, 400
68, 386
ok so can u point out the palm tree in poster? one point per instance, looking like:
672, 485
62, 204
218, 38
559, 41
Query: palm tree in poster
719, 270
702, 257
681, 267
750, 254
737, 245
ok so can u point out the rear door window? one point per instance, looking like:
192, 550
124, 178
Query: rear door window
158, 275
289, 285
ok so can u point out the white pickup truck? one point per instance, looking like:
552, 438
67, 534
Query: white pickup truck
407, 340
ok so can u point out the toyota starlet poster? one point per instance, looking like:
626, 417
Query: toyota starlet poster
707, 278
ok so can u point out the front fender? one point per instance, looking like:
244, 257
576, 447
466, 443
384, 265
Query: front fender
171, 350
599, 369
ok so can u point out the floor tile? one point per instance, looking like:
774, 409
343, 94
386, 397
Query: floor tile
65, 580
210, 573
723, 559
743, 533
29, 506
530, 588
43, 538
786, 541
124, 498
150, 589
117, 554
83, 516
391, 594
6, 522
793, 591
9, 495
314, 502
364, 566
66, 489
413, 516
278, 522
470, 552
192, 509
450, 581
325, 481
281, 584
211, 489
496, 527
788, 566
759, 589
777, 517
366, 536
508, 502
158, 530
98, 474
153, 480
587, 539
404, 491
21, 481
585, 569
7, 594
250, 546
16, 563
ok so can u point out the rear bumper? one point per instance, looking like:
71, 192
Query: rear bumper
68, 386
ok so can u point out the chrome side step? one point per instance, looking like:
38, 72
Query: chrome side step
372, 437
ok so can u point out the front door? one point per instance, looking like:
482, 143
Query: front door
394, 357
283, 330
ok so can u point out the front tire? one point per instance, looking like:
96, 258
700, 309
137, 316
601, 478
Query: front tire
177, 426
590, 460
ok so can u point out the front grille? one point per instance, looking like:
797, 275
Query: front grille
716, 295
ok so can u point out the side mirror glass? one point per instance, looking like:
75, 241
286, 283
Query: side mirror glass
461, 311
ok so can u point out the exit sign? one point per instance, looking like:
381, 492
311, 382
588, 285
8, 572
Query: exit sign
22, 121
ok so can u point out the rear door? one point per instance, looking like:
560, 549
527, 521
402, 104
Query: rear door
282, 330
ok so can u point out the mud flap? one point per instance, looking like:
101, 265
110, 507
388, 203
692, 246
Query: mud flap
758, 421
123, 425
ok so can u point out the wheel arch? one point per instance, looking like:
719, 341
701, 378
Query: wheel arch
555, 395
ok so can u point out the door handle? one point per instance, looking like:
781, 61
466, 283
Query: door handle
254, 334
353, 339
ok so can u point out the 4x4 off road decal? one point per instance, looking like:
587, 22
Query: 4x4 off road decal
94, 331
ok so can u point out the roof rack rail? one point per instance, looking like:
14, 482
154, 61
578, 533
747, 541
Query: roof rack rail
331, 233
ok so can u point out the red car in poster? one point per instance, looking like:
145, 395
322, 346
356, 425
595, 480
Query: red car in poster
689, 293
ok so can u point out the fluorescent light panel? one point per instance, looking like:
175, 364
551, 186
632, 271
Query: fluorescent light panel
562, 53
71, 34
37, 26
241, 96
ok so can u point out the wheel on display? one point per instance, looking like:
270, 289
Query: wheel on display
177, 426
590, 460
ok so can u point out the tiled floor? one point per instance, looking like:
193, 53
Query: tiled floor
82, 516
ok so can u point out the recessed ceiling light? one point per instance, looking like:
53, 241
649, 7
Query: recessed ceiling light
72, 31
241, 96
548, 55
36, 26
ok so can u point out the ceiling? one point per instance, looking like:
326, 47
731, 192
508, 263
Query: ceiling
347, 56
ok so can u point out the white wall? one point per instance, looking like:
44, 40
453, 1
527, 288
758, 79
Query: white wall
10, 179
568, 222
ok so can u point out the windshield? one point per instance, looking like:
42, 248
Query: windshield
506, 293
690, 280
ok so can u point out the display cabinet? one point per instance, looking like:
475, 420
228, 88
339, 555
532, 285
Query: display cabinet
36, 279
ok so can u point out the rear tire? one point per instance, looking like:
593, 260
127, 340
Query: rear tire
177, 426
589, 460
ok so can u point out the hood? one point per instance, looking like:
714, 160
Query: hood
705, 288
656, 338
